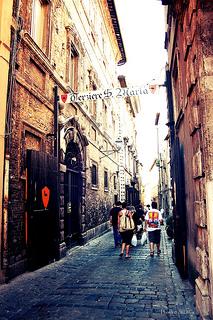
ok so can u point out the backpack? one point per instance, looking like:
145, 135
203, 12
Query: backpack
153, 221
126, 222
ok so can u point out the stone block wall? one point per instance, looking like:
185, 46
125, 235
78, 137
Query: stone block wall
191, 67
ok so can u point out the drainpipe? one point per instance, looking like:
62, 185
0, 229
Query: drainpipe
56, 135
170, 105
56, 128
13, 45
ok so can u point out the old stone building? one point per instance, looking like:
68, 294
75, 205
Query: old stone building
6, 9
63, 158
189, 81
130, 168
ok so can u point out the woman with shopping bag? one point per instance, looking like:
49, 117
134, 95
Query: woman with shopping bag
126, 227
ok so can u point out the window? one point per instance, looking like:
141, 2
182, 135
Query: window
105, 180
94, 175
94, 103
93, 134
39, 25
74, 68
115, 182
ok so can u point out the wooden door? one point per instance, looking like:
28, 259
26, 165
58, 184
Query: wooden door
42, 208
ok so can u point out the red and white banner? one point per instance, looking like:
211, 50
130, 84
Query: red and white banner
106, 94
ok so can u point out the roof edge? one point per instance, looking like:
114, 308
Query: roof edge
116, 26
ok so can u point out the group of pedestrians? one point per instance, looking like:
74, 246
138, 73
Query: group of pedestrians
126, 221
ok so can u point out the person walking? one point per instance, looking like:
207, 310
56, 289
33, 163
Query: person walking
113, 217
147, 208
126, 227
139, 220
153, 220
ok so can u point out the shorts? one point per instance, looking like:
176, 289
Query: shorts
154, 236
126, 236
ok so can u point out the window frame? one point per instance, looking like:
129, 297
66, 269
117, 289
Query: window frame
74, 66
94, 179
115, 182
106, 180
40, 34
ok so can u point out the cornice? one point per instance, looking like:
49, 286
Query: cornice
116, 26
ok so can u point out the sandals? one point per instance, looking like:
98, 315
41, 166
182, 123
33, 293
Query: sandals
152, 253
121, 255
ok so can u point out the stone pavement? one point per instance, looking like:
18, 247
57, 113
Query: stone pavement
91, 282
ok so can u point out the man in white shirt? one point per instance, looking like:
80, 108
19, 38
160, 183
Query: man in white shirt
153, 220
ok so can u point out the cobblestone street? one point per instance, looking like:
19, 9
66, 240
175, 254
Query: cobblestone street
91, 282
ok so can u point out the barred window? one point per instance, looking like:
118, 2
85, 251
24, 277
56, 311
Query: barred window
94, 175
106, 180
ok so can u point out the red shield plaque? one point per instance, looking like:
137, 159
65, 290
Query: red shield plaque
45, 192
64, 98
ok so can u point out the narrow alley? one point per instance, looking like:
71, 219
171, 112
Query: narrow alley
91, 282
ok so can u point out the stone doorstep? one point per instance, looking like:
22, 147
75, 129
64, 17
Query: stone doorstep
17, 268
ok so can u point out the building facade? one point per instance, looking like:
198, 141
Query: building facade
189, 82
62, 163
130, 168
6, 22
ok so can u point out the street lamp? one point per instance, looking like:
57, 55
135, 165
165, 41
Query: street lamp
118, 145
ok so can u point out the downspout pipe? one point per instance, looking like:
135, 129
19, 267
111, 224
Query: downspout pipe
56, 135
171, 122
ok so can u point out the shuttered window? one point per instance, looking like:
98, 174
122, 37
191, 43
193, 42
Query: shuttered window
40, 22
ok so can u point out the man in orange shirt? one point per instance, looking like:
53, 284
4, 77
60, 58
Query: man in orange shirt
153, 220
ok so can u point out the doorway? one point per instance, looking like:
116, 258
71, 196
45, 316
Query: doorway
72, 196
42, 209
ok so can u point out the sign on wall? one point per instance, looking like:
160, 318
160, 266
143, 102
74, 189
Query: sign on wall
106, 94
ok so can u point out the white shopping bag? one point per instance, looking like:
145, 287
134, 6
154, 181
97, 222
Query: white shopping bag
144, 238
134, 240
139, 227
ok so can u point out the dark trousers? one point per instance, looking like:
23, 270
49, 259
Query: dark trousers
116, 234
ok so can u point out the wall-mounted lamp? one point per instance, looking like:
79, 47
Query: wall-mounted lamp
118, 145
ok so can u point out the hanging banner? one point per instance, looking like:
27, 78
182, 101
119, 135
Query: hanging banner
106, 94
